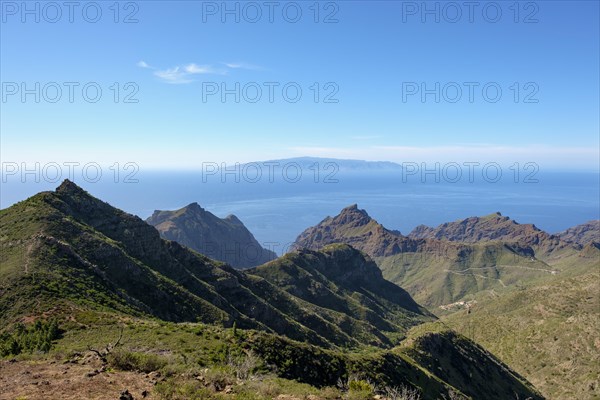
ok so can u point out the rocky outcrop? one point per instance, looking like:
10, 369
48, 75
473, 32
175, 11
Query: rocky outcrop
355, 227
226, 239
583, 234
493, 227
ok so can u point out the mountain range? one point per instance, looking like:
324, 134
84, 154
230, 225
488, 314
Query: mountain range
313, 316
111, 258
66, 250
531, 297
437, 271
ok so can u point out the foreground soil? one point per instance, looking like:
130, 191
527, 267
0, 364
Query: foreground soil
56, 380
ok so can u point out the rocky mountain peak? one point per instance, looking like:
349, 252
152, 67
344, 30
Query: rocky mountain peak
194, 207
350, 208
69, 187
224, 239
584, 234
233, 219
356, 228
352, 215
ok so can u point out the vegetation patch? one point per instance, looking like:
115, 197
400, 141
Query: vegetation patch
37, 337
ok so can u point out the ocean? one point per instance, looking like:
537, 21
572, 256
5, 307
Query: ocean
276, 212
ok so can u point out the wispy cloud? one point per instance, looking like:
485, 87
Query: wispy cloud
184, 74
143, 64
173, 75
181, 74
201, 69
243, 65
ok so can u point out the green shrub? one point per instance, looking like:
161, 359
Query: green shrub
132, 361
360, 390
360, 386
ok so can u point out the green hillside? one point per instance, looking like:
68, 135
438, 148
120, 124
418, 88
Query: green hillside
462, 271
439, 272
339, 278
547, 331
76, 271
67, 245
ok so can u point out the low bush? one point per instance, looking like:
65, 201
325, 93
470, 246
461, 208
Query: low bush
132, 361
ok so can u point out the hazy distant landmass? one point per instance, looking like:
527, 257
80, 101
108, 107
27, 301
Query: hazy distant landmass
342, 164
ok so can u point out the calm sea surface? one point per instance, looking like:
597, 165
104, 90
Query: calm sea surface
277, 212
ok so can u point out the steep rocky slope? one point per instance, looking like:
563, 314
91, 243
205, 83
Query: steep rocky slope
68, 245
495, 227
583, 234
435, 272
224, 239
69, 257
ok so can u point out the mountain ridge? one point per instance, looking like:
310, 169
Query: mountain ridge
96, 246
583, 234
359, 230
493, 227
439, 272
70, 255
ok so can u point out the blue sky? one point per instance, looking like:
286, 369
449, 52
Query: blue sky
177, 50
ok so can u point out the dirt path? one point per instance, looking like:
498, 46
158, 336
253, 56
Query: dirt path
477, 275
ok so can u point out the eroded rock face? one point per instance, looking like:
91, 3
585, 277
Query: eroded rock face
442, 265
450, 240
488, 228
584, 234
356, 228
225, 239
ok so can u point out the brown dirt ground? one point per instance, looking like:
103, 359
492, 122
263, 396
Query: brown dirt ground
66, 381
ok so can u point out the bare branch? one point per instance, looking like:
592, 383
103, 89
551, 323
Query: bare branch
108, 348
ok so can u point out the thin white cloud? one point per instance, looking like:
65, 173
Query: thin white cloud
143, 64
174, 75
243, 65
200, 69
181, 74
185, 74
